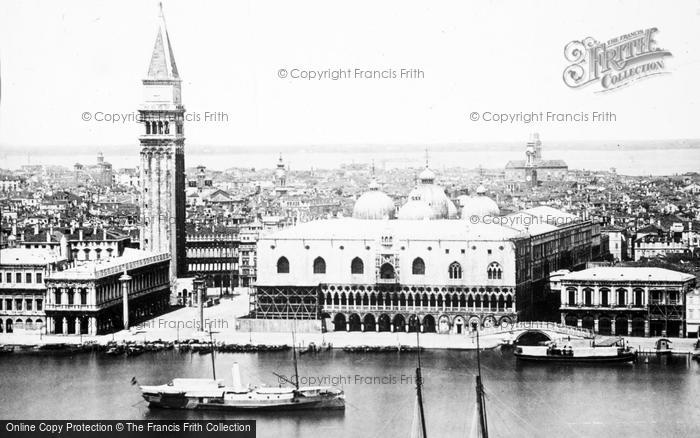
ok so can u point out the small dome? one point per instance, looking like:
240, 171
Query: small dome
481, 190
479, 205
374, 204
415, 210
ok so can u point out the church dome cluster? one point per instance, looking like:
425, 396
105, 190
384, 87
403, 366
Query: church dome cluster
426, 201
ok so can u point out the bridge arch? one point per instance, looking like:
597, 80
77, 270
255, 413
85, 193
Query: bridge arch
532, 337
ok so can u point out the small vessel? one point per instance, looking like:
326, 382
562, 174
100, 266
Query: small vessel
613, 350
213, 394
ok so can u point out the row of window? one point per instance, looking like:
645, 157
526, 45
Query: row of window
357, 266
20, 304
27, 277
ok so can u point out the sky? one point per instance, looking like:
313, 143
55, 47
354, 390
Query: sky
60, 59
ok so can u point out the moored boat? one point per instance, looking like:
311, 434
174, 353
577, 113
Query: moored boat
213, 394
613, 350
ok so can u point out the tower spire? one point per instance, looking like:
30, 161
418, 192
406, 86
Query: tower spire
162, 64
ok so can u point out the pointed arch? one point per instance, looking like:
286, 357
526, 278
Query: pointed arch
494, 271
319, 265
418, 267
357, 266
455, 271
282, 265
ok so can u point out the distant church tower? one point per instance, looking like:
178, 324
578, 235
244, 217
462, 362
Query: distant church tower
280, 177
163, 157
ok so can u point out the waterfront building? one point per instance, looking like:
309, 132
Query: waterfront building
22, 288
103, 296
373, 273
162, 179
534, 168
626, 301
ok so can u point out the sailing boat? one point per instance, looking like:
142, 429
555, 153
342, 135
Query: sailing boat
214, 395
418, 424
479, 423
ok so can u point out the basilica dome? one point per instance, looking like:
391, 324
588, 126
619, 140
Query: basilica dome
433, 195
479, 205
374, 204
415, 209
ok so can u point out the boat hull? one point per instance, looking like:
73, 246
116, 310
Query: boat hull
623, 357
159, 401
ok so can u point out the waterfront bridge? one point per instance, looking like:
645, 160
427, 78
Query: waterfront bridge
552, 330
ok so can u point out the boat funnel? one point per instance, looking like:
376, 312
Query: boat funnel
235, 373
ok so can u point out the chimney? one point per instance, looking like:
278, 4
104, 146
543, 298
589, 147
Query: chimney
80, 234
36, 228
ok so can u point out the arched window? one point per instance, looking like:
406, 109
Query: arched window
319, 266
283, 265
418, 266
386, 271
357, 266
494, 271
455, 270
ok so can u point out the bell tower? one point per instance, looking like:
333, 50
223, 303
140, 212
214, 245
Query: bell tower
162, 142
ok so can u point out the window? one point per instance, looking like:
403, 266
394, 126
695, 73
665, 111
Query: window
39, 304
638, 297
39, 278
621, 297
18, 304
604, 293
455, 270
28, 277
418, 266
572, 297
494, 271
357, 266
319, 266
8, 304
57, 298
8, 277
283, 265
28, 304
18, 277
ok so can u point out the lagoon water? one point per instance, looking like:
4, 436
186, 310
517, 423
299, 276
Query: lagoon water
661, 398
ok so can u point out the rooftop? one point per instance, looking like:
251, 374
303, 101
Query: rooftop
629, 274
24, 256
130, 259
371, 229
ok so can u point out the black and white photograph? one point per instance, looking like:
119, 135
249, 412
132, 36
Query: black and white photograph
347, 219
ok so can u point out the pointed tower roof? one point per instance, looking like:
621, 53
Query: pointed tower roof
162, 60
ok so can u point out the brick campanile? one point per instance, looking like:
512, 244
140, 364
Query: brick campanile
162, 178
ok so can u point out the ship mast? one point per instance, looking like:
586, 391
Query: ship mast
213, 363
419, 384
480, 399
296, 368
